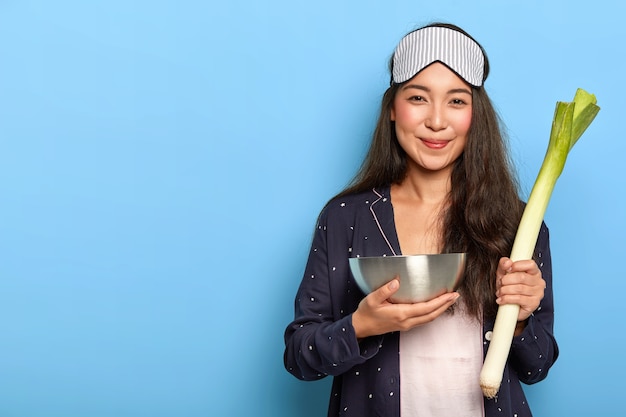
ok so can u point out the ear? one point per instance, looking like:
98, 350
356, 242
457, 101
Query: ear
393, 114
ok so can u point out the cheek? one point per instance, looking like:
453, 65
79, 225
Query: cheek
404, 114
464, 122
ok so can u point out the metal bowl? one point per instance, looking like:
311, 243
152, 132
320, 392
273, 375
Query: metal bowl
422, 277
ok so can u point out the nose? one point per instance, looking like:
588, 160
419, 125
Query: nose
436, 120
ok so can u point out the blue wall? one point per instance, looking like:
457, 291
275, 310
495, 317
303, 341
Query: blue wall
162, 164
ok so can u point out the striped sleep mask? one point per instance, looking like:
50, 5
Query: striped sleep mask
422, 47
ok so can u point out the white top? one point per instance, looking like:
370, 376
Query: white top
440, 365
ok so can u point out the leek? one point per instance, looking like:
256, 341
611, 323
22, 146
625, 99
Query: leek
571, 119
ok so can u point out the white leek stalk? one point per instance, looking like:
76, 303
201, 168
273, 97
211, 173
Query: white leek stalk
570, 121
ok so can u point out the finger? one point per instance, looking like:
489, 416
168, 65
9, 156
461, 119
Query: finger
431, 313
523, 299
529, 266
521, 278
522, 288
504, 265
525, 310
427, 307
383, 293
513, 284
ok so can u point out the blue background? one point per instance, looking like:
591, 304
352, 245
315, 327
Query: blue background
162, 164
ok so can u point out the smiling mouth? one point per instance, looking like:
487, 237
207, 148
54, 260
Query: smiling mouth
435, 144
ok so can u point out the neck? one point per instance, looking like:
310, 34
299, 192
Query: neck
425, 186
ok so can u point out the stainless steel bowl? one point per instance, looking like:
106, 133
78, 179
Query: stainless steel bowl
422, 277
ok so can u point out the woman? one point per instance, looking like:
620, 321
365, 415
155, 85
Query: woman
436, 180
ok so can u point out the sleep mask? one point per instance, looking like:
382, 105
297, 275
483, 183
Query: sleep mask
422, 47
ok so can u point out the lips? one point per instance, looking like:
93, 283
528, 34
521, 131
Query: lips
435, 144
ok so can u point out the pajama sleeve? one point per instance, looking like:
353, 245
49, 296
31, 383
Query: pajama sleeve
320, 341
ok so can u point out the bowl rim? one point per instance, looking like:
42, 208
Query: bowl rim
420, 255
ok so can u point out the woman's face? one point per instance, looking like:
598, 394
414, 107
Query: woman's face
433, 112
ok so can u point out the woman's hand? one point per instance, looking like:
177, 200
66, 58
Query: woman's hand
519, 283
376, 315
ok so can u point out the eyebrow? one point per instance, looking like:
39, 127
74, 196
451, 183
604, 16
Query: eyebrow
426, 89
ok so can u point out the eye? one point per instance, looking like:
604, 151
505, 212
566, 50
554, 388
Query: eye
416, 98
458, 102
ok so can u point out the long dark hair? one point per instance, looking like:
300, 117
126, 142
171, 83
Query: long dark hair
483, 208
